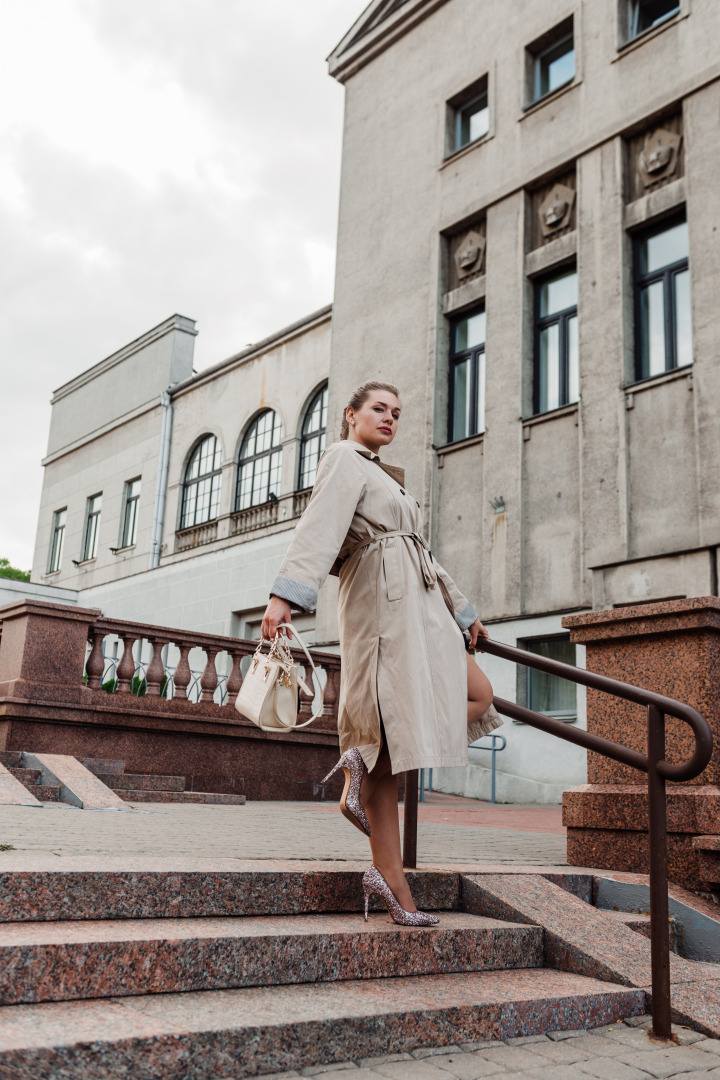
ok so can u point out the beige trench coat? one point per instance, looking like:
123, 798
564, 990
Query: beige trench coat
403, 656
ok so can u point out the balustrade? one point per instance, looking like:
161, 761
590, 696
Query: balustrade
160, 662
196, 536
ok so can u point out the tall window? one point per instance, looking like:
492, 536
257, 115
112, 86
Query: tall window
132, 498
556, 342
467, 377
58, 537
312, 443
201, 489
644, 15
547, 693
260, 464
552, 61
92, 527
469, 115
662, 300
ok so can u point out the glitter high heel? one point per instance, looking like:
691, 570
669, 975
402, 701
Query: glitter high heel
353, 766
489, 720
375, 884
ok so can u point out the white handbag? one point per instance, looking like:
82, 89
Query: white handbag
269, 692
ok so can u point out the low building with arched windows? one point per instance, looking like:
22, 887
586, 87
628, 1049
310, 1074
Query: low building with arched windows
168, 494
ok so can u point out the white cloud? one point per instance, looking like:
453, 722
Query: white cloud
156, 159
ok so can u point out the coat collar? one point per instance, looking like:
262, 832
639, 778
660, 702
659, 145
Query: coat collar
394, 471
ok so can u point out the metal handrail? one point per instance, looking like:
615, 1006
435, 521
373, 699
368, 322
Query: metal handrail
494, 750
653, 763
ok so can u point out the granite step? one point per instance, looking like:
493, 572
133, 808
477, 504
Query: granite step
209, 798
216, 1034
147, 888
64, 961
708, 850
30, 778
641, 924
141, 782
11, 759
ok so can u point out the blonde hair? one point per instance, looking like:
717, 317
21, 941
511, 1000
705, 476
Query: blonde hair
359, 397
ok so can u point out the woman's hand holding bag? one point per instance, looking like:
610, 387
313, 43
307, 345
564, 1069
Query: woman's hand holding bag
269, 692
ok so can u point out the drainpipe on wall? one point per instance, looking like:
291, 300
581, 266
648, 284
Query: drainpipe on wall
161, 489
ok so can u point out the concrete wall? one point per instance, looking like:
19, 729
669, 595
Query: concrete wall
13, 591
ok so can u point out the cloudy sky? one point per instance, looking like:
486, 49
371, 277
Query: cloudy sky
156, 156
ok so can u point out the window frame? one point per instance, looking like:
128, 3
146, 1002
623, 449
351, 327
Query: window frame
455, 106
56, 550
253, 459
564, 31
641, 281
128, 537
195, 482
476, 355
543, 322
307, 437
625, 21
566, 716
91, 532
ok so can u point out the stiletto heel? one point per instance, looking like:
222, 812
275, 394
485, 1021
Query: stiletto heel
353, 766
375, 884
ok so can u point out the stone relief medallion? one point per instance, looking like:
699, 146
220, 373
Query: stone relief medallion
470, 255
658, 159
555, 211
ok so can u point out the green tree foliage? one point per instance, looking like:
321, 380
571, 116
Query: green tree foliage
8, 571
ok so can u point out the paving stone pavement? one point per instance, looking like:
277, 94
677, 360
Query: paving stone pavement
281, 830
623, 1051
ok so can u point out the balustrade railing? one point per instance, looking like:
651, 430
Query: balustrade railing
186, 539
156, 661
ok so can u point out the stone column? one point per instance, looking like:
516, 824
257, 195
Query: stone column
672, 648
43, 645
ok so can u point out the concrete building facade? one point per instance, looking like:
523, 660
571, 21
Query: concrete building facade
527, 246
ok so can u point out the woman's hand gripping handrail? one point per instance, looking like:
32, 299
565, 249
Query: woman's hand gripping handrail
669, 706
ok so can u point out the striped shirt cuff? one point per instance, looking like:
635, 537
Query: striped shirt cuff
467, 617
297, 595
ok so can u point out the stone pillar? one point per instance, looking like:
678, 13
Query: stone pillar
672, 648
43, 644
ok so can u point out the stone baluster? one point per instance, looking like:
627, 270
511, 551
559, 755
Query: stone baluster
95, 664
306, 700
234, 678
331, 692
182, 675
209, 679
126, 668
155, 669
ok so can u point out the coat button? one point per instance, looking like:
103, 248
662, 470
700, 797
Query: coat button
402, 491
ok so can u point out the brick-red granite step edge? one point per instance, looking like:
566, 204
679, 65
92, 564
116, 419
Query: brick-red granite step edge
42, 962
11, 759
141, 782
240, 1033
147, 892
207, 797
29, 780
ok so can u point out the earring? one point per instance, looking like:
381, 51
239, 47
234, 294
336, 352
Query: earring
352, 422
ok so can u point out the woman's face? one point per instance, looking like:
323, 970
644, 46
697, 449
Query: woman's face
375, 423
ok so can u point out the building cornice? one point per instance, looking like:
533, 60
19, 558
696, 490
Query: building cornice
111, 425
252, 351
175, 322
374, 32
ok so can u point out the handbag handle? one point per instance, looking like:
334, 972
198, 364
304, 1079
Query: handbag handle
320, 686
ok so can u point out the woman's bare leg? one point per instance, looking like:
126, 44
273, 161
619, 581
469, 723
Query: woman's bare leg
379, 796
479, 691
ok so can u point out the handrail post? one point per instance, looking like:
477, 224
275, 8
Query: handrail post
659, 913
410, 815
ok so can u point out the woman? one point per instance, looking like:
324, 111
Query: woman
410, 698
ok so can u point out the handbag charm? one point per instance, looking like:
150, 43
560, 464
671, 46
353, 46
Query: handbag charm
269, 692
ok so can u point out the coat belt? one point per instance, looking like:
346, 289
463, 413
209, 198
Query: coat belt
421, 545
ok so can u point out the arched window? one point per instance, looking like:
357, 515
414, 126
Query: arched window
260, 463
313, 437
201, 487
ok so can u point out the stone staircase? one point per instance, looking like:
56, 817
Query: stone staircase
29, 778
214, 973
153, 787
